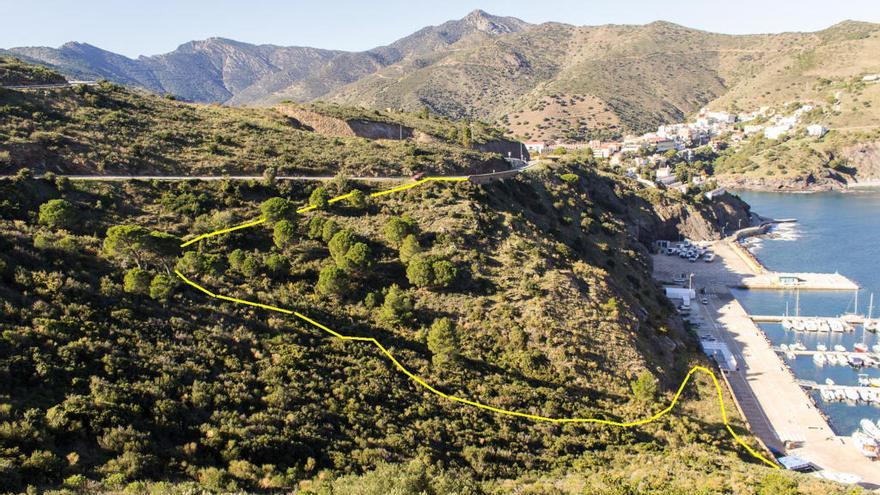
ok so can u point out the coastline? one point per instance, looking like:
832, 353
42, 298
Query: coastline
777, 409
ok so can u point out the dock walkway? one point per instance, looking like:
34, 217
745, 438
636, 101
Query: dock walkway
775, 405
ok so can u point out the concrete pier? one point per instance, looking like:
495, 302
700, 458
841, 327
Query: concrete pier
778, 410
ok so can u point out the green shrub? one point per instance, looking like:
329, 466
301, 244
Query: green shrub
442, 342
319, 198
332, 281
136, 281
357, 200
276, 209
445, 273
339, 245
283, 234
276, 263
329, 229
58, 214
397, 228
644, 387
162, 286
397, 308
316, 227
409, 248
420, 271
359, 258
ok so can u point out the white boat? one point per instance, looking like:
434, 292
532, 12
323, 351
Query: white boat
866, 445
851, 394
823, 326
839, 348
819, 359
836, 326
863, 379
811, 326
797, 346
827, 395
876, 348
786, 324
790, 356
832, 359
798, 325
784, 347
821, 348
829, 382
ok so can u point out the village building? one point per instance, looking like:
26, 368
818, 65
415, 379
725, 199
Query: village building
816, 130
536, 146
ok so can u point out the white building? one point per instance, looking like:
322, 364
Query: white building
715, 193
871, 78
723, 117
816, 130
536, 146
776, 131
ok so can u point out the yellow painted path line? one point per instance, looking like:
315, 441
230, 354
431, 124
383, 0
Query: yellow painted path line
421, 382
304, 209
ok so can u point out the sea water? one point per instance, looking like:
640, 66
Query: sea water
835, 232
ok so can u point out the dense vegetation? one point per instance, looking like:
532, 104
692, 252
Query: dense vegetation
109, 129
530, 294
14, 72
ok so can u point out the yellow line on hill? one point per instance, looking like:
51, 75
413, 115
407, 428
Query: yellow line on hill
331, 201
421, 382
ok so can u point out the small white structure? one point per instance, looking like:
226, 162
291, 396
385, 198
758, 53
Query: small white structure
536, 146
816, 130
715, 193
664, 172
871, 78
683, 294
776, 131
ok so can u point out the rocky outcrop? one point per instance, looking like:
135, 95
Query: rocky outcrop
708, 220
864, 160
821, 180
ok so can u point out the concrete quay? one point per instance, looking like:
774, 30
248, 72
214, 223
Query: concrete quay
778, 410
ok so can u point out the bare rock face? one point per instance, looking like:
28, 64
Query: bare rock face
864, 159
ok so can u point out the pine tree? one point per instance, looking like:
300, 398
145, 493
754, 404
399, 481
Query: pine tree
443, 342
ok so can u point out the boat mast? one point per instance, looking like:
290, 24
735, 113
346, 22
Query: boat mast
856, 310
797, 302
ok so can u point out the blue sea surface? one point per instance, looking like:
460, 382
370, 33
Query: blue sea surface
835, 232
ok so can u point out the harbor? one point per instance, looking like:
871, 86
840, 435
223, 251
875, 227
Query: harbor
784, 411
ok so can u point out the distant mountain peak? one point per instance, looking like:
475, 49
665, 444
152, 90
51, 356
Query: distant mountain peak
492, 24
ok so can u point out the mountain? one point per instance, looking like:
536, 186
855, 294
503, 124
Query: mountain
551, 81
223, 70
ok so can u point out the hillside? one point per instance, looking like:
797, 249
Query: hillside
550, 81
15, 73
112, 372
108, 129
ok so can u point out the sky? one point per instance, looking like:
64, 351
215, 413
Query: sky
138, 27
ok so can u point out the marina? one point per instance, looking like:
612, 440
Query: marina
854, 394
783, 414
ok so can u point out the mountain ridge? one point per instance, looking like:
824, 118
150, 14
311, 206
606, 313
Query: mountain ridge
550, 81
